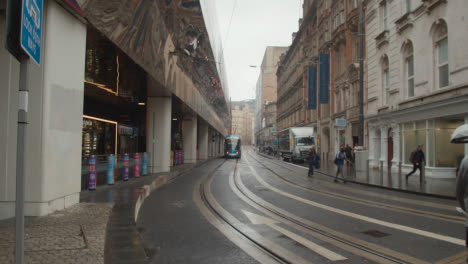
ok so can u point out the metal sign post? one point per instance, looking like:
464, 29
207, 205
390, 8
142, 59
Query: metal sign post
24, 39
20, 155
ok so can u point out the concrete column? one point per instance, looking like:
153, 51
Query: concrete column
372, 155
9, 83
396, 147
54, 133
189, 135
203, 141
211, 143
158, 133
384, 146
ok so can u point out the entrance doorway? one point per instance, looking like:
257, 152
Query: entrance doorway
390, 149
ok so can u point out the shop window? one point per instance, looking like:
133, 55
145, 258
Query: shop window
413, 138
446, 154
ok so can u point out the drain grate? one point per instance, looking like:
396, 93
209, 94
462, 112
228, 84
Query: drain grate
375, 233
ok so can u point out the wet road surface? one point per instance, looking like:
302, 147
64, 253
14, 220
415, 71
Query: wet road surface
259, 210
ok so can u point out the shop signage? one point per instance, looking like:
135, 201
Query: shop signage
340, 122
125, 130
31, 28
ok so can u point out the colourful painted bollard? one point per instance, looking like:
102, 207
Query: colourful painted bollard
110, 170
183, 157
136, 167
144, 164
92, 173
126, 167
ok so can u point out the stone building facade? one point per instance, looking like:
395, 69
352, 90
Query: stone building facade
318, 78
417, 82
242, 120
266, 93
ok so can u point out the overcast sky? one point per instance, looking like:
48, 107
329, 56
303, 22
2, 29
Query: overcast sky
255, 25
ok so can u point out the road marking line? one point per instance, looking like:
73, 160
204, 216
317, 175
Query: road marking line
420, 232
356, 251
261, 220
259, 255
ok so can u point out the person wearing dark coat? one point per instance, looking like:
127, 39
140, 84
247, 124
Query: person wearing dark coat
418, 161
313, 159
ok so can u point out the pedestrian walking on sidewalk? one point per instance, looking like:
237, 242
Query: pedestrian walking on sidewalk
418, 160
349, 155
339, 161
313, 160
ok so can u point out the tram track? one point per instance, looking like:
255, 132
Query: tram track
266, 251
251, 242
395, 208
353, 245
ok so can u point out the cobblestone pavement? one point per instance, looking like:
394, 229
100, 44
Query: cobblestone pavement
73, 235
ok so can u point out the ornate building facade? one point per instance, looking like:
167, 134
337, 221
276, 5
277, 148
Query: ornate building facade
417, 82
318, 80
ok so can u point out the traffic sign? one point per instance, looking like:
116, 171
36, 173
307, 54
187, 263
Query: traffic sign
31, 28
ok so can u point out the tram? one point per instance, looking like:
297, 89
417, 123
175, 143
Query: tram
232, 147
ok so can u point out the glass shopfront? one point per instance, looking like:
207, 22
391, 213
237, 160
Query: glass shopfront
114, 105
434, 135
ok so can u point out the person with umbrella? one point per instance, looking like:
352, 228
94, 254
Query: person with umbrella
460, 136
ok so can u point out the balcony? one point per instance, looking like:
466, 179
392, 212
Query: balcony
382, 38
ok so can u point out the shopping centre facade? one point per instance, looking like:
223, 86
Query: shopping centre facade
116, 77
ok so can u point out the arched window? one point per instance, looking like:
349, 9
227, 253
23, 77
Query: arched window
385, 79
441, 57
408, 59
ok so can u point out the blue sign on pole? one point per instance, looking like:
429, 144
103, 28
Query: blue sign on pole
31, 28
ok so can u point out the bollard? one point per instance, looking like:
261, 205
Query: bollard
144, 164
92, 177
126, 167
136, 167
182, 156
172, 158
110, 179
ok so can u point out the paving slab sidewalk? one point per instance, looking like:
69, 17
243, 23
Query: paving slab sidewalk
100, 229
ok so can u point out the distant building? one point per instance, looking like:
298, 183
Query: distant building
417, 82
266, 93
242, 120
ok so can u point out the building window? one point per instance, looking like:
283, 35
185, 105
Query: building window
384, 15
410, 70
443, 63
408, 67
385, 80
439, 33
